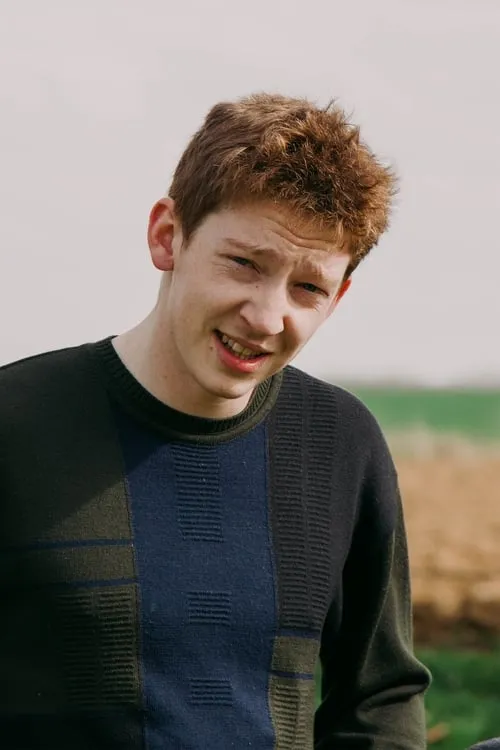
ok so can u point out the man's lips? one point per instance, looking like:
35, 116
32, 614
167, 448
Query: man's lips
243, 363
255, 348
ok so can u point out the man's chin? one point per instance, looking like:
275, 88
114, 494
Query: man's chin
233, 389
233, 393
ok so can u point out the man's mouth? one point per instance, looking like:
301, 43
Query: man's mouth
238, 350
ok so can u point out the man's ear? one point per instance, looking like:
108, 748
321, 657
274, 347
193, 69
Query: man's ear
343, 289
162, 228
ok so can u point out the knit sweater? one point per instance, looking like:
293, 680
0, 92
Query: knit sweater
172, 582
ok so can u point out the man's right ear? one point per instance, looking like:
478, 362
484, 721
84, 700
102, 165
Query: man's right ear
162, 228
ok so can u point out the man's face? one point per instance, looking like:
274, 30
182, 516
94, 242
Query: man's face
242, 298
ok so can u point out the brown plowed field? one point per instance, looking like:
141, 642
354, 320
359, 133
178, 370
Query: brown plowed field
452, 505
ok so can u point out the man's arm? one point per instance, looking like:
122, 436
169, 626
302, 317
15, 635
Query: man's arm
372, 683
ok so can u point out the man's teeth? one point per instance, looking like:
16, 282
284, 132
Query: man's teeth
242, 351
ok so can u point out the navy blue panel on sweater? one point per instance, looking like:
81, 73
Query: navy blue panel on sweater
207, 588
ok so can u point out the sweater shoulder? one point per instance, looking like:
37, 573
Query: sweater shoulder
353, 417
39, 369
34, 387
357, 451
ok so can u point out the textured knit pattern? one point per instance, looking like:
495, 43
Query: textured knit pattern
171, 582
199, 500
200, 520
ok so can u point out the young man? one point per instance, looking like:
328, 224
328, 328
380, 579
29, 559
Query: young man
188, 523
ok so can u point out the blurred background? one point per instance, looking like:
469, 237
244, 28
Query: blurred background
97, 102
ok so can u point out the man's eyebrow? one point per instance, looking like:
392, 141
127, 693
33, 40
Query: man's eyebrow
249, 246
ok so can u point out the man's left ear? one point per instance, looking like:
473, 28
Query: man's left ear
343, 289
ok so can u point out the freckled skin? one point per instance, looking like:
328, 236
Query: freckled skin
246, 272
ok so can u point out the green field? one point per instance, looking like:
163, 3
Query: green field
472, 413
465, 695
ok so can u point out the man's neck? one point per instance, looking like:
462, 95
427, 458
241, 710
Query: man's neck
145, 352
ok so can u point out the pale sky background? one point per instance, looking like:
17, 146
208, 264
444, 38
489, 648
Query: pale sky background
99, 97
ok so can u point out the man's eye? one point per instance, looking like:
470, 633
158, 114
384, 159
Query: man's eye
241, 261
312, 288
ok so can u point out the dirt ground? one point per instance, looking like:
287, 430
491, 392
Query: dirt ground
451, 495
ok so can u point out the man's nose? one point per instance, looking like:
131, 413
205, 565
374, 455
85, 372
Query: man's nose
265, 314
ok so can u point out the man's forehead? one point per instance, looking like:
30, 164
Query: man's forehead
266, 227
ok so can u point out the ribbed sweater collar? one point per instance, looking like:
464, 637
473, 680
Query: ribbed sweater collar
124, 388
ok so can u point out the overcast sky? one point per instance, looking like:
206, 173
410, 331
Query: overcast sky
99, 97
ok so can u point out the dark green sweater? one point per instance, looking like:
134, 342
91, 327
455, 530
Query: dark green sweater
170, 582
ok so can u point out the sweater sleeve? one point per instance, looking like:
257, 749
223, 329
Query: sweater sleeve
372, 683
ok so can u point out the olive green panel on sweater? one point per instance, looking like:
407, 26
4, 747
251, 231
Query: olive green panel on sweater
292, 691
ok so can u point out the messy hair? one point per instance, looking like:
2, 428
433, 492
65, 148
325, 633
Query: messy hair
287, 151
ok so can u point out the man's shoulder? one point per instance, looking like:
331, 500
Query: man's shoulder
338, 415
34, 370
330, 399
40, 384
